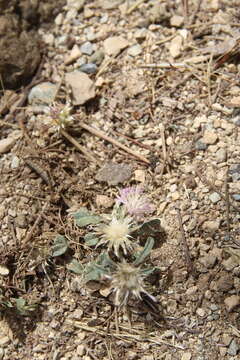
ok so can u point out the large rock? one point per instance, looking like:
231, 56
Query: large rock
19, 39
19, 51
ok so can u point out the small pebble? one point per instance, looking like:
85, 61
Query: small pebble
226, 339
88, 13
4, 341
97, 57
59, 19
15, 162
233, 348
135, 50
114, 44
175, 196
1, 353
208, 261
214, 197
231, 302
176, 20
81, 350
43, 93
173, 188
236, 197
199, 145
48, 39
74, 55
223, 351
210, 137
75, 4
236, 120
211, 226
104, 19
186, 356
214, 307
230, 263
89, 68
7, 143
200, 312
221, 155
234, 172
87, 48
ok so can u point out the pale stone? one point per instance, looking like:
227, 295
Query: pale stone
175, 195
104, 201
135, 50
177, 20
81, 349
175, 46
74, 55
221, 155
140, 175
113, 45
186, 356
75, 4
4, 270
211, 226
200, 312
210, 137
59, 19
48, 39
81, 85
88, 13
231, 302
214, 197
7, 143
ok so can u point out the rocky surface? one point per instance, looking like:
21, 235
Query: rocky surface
144, 74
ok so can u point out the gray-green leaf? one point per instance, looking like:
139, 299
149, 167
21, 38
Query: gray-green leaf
75, 267
60, 246
83, 218
145, 252
91, 239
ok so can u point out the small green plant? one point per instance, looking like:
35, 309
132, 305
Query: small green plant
121, 261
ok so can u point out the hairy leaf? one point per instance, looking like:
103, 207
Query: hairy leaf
140, 257
83, 218
60, 246
75, 267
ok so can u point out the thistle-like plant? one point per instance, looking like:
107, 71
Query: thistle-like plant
137, 205
61, 115
116, 234
128, 281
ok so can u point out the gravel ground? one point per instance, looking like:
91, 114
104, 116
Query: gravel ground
154, 93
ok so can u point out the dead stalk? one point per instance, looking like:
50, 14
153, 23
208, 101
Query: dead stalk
102, 135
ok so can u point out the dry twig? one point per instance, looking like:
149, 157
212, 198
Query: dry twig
227, 202
37, 221
89, 156
126, 336
102, 135
190, 266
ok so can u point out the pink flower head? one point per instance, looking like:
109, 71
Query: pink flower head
135, 202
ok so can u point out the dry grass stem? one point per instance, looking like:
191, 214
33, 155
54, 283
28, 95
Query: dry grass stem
89, 156
37, 221
190, 266
102, 135
128, 336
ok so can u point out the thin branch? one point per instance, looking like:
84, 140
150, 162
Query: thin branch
227, 202
126, 336
37, 221
190, 266
102, 135
89, 156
